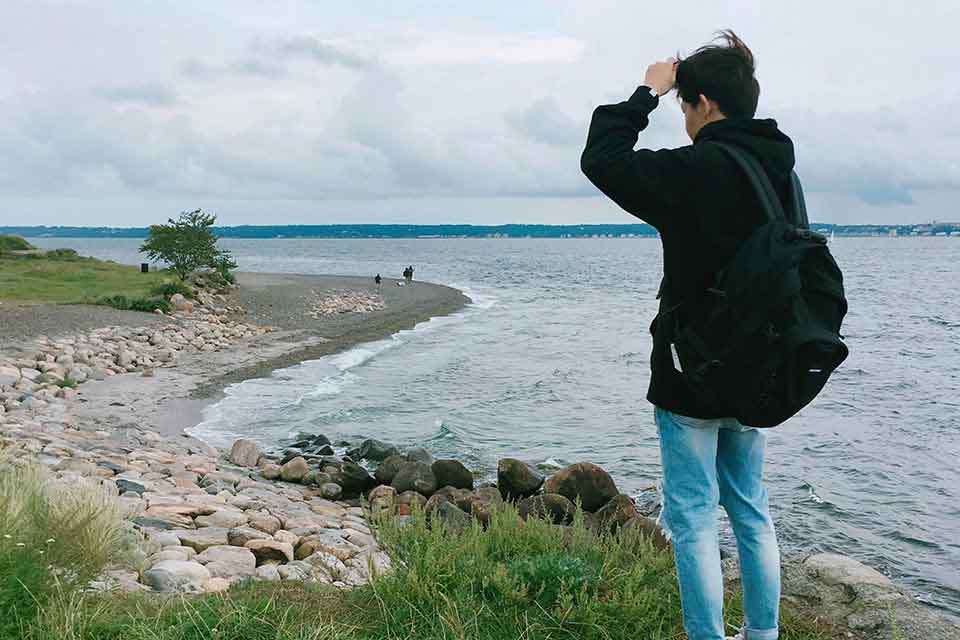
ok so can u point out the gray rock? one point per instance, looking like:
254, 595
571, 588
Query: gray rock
294, 470
849, 594
268, 572
296, 570
124, 485
240, 556
223, 518
331, 490
451, 473
376, 450
517, 479
419, 454
388, 469
452, 517
316, 478
264, 522
240, 536
354, 479
201, 539
244, 453
592, 485
175, 575
415, 476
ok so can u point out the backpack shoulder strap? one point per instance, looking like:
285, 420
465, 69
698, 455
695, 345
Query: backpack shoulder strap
769, 201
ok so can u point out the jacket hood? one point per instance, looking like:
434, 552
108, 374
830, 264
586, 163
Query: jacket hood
769, 145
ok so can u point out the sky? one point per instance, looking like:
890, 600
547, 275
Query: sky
126, 112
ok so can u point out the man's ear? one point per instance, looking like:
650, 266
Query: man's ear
705, 105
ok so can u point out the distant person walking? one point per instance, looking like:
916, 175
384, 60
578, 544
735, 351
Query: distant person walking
408, 274
377, 279
705, 207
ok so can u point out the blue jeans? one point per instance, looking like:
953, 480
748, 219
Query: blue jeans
707, 463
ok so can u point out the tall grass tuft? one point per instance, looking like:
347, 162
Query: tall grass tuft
54, 538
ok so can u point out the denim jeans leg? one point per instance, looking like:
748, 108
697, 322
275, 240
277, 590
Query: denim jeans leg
743, 495
690, 501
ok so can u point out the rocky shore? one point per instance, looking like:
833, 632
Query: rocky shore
94, 406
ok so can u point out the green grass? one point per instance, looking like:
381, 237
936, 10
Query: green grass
513, 581
14, 243
63, 277
54, 539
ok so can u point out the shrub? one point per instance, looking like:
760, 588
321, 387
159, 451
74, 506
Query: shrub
61, 254
187, 244
14, 243
67, 383
147, 305
167, 289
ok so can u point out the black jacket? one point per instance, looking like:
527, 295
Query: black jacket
696, 198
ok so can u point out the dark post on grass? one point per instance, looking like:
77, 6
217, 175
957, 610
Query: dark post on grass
144, 267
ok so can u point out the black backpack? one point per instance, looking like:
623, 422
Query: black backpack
764, 339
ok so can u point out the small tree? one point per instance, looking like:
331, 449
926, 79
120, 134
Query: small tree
187, 244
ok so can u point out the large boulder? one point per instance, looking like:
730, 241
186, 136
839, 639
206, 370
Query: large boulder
354, 479
517, 479
243, 558
244, 453
592, 485
176, 575
419, 454
180, 303
388, 468
452, 517
617, 512
850, 595
451, 473
376, 450
294, 470
551, 506
448, 494
415, 476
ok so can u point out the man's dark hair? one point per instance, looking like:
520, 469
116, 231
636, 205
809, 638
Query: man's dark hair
724, 73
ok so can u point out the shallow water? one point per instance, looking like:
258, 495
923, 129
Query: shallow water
550, 363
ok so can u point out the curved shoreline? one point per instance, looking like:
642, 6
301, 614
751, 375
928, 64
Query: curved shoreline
173, 398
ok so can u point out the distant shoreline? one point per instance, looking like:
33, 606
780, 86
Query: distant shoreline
443, 231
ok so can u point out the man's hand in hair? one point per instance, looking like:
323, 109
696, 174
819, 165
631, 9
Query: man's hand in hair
661, 76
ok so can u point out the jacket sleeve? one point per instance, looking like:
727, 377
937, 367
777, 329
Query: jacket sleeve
652, 185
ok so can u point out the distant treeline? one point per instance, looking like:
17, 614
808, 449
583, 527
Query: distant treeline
455, 231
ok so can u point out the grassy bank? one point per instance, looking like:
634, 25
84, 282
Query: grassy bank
515, 580
63, 277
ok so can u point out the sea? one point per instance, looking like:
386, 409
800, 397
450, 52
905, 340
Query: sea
550, 364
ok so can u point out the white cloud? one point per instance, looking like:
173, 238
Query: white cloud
437, 113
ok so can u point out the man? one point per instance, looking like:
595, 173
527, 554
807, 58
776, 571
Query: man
703, 207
